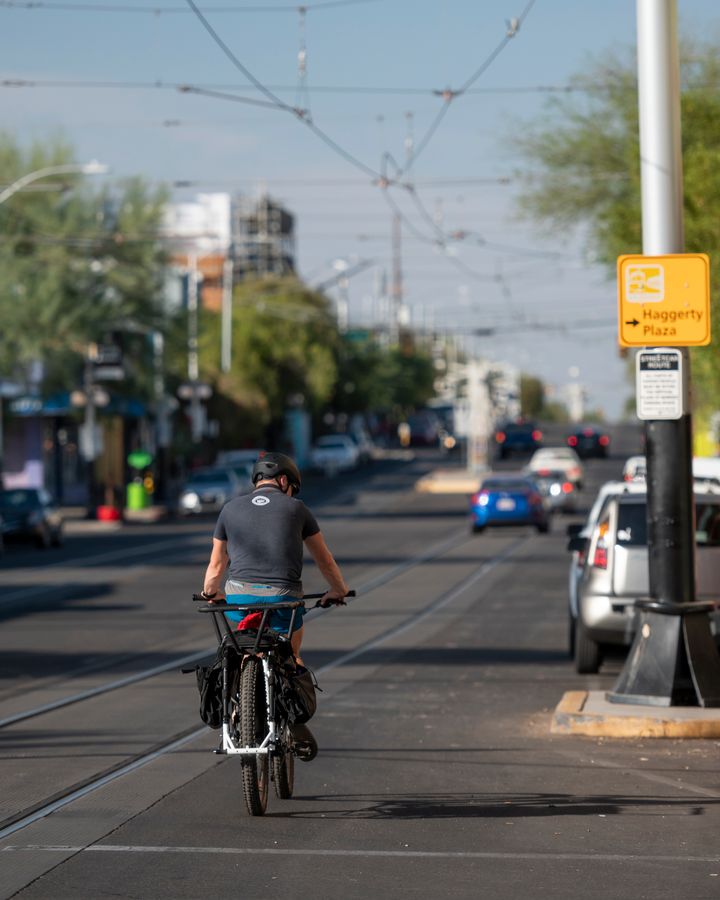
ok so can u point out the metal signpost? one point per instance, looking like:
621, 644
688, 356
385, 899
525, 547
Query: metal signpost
663, 302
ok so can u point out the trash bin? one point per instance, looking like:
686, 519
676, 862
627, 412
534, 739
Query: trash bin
137, 497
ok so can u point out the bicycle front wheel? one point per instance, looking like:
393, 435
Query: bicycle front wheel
253, 729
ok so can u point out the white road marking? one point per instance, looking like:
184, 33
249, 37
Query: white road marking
393, 854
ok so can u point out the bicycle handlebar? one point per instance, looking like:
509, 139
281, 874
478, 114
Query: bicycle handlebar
262, 603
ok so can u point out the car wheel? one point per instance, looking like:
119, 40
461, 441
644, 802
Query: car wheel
57, 540
477, 529
572, 630
588, 655
43, 539
543, 527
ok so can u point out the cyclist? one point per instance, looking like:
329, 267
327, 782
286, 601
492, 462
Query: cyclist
259, 540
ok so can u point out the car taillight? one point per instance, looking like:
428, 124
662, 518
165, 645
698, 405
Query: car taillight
567, 487
572, 440
500, 436
574, 472
537, 435
604, 440
600, 557
480, 498
588, 432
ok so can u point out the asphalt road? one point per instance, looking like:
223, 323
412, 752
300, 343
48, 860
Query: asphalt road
437, 774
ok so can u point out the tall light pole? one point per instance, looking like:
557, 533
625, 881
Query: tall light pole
90, 168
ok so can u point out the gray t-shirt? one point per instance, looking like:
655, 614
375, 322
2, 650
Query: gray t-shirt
265, 531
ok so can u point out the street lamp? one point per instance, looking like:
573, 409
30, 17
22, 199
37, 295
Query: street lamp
91, 168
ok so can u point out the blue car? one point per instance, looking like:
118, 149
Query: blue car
508, 500
517, 437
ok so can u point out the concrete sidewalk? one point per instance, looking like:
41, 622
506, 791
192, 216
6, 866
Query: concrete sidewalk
450, 481
592, 714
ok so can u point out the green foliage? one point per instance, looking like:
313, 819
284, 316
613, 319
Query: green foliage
377, 378
533, 402
74, 264
283, 353
586, 172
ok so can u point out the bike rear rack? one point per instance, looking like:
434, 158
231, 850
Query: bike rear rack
261, 642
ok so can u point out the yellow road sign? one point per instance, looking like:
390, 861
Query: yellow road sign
664, 301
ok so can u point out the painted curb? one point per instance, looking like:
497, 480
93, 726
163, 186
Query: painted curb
570, 717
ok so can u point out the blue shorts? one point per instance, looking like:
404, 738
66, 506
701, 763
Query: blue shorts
279, 620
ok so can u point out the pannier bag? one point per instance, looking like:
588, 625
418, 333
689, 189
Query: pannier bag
209, 682
298, 695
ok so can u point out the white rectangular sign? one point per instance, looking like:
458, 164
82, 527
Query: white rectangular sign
659, 384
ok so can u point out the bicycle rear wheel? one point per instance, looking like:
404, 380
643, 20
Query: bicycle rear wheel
253, 729
283, 769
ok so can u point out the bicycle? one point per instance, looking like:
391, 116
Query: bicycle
257, 718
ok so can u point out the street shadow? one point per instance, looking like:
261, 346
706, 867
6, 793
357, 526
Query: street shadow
71, 598
506, 806
448, 656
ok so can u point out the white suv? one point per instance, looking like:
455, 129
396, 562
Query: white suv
615, 571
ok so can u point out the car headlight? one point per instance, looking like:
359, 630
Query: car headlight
189, 500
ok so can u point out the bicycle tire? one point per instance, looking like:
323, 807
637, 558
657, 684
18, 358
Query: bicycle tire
283, 771
253, 728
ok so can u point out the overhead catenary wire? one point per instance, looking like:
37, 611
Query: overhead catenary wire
171, 10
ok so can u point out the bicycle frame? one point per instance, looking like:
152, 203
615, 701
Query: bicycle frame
261, 649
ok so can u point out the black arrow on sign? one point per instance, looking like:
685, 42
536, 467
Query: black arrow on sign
633, 322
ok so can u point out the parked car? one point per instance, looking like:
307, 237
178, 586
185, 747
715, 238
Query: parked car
563, 458
589, 441
335, 453
365, 445
579, 536
635, 469
425, 428
705, 470
508, 500
517, 437
209, 489
558, 490
615, 572
31, 513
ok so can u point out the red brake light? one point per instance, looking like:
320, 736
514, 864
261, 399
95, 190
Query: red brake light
500, 436
588, 432
572, 440
567, 487
537, 435
604, 440
600, 557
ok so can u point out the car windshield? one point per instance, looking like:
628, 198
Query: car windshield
209, 477
506, 484
19, 499
524, 428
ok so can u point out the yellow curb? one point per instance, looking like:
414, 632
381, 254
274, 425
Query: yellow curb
571, 718
440, 482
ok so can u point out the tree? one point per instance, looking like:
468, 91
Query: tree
586, 171
284, 353
74, 265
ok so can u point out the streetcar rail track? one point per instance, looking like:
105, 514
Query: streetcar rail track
383, 578
65, 797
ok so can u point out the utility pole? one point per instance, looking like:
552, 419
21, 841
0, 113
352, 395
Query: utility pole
673, 660
397, 283
227, 300
89, 429
196, 418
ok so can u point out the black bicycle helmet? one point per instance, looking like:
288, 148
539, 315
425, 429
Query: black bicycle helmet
272, 465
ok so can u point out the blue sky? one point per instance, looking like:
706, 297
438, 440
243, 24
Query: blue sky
168, 136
